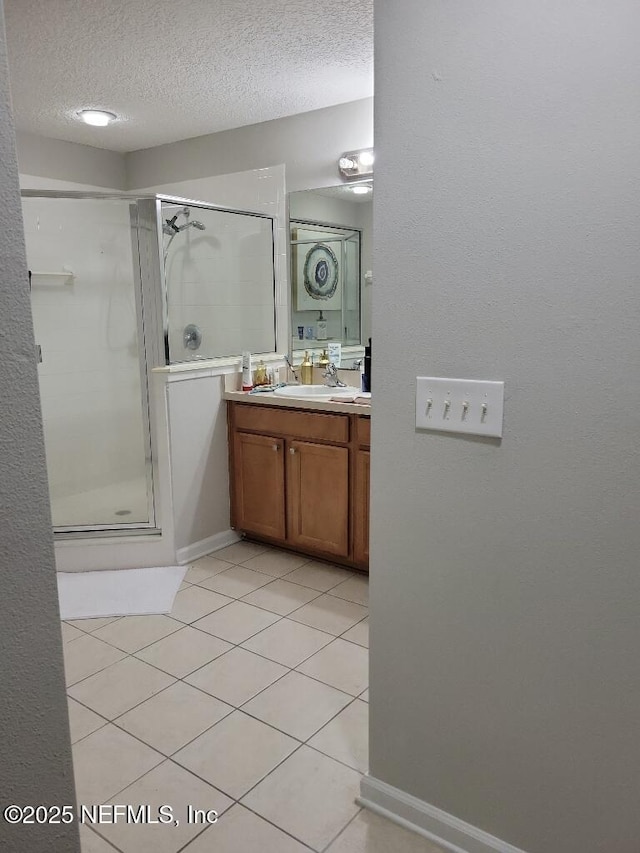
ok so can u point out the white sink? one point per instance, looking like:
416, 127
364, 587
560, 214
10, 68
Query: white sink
315, 392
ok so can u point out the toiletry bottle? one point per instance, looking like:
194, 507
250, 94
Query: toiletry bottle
247, 383
323, 361
366, 376
260, 377
306, 370
321, 328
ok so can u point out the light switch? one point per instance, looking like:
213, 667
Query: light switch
459, 405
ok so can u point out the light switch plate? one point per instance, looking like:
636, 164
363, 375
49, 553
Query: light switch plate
459, 405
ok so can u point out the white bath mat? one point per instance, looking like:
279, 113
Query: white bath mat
128, 592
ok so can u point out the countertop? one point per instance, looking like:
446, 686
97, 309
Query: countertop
268, 398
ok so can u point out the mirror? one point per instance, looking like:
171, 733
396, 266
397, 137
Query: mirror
331, 236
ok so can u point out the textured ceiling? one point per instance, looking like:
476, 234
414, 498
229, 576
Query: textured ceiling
173, 69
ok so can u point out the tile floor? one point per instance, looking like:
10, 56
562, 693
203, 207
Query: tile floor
250, 699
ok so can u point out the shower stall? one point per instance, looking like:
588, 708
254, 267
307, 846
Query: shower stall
121, 285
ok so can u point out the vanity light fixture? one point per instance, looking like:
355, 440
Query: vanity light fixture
97, 118
356, 164
360, 189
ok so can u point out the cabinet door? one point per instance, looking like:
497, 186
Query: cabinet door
361, 508
318, 497
259, 485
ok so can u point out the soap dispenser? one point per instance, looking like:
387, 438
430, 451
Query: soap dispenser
321, 328
306, 370
323, 361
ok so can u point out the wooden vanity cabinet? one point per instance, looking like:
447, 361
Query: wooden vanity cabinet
300, 479
259, 471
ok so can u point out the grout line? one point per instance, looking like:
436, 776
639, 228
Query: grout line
348, 823
288, 669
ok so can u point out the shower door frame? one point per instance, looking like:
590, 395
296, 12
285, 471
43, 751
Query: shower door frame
148, 336
152, 318
163, 304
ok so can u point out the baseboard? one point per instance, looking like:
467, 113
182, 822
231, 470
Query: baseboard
438, 826
206, 546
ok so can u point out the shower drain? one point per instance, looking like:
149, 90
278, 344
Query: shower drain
123, 512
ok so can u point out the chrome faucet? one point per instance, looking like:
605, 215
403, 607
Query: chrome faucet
331, 377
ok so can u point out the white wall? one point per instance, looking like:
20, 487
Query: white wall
504, 575
35, 750
44, 157
309, 144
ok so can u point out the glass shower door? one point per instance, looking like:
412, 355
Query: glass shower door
82, 254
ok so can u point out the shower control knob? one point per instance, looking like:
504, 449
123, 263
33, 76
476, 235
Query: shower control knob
192, 336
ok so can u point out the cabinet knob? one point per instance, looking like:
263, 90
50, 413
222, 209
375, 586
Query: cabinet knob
274, 447
292, 450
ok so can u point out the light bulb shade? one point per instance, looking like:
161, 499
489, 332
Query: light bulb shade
356, 164
347, 164
97, 118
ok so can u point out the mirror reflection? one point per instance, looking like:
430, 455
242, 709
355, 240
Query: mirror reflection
331, 254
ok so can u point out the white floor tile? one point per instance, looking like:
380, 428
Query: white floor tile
242, 831
236, 581
319, 576
236, 622
287, 642
236, 676
196, 602
107, 761
69, 632
132, 633
309, 795
90, 625
370, 833
330, 614
342, 665
236, 753
205, 568
281, 597
120, 687
166, 784
172, 718
346, 737
183, 652
359, 633
82, 721
276, 563
355, 589
86, 655
297, 705
239, 552
92, 843
365, 696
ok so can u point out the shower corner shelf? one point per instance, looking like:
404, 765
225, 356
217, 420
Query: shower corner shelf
68, 275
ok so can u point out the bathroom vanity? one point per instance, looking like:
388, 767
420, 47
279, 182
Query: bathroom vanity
299, 475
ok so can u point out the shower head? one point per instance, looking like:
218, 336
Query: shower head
170, 226
194, 224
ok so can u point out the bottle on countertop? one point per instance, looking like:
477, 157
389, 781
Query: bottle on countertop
247, 381
366, 376
261, 377
306, 371
323, 361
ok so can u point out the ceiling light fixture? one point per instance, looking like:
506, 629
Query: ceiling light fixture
97, 118
360, 189
356, 164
